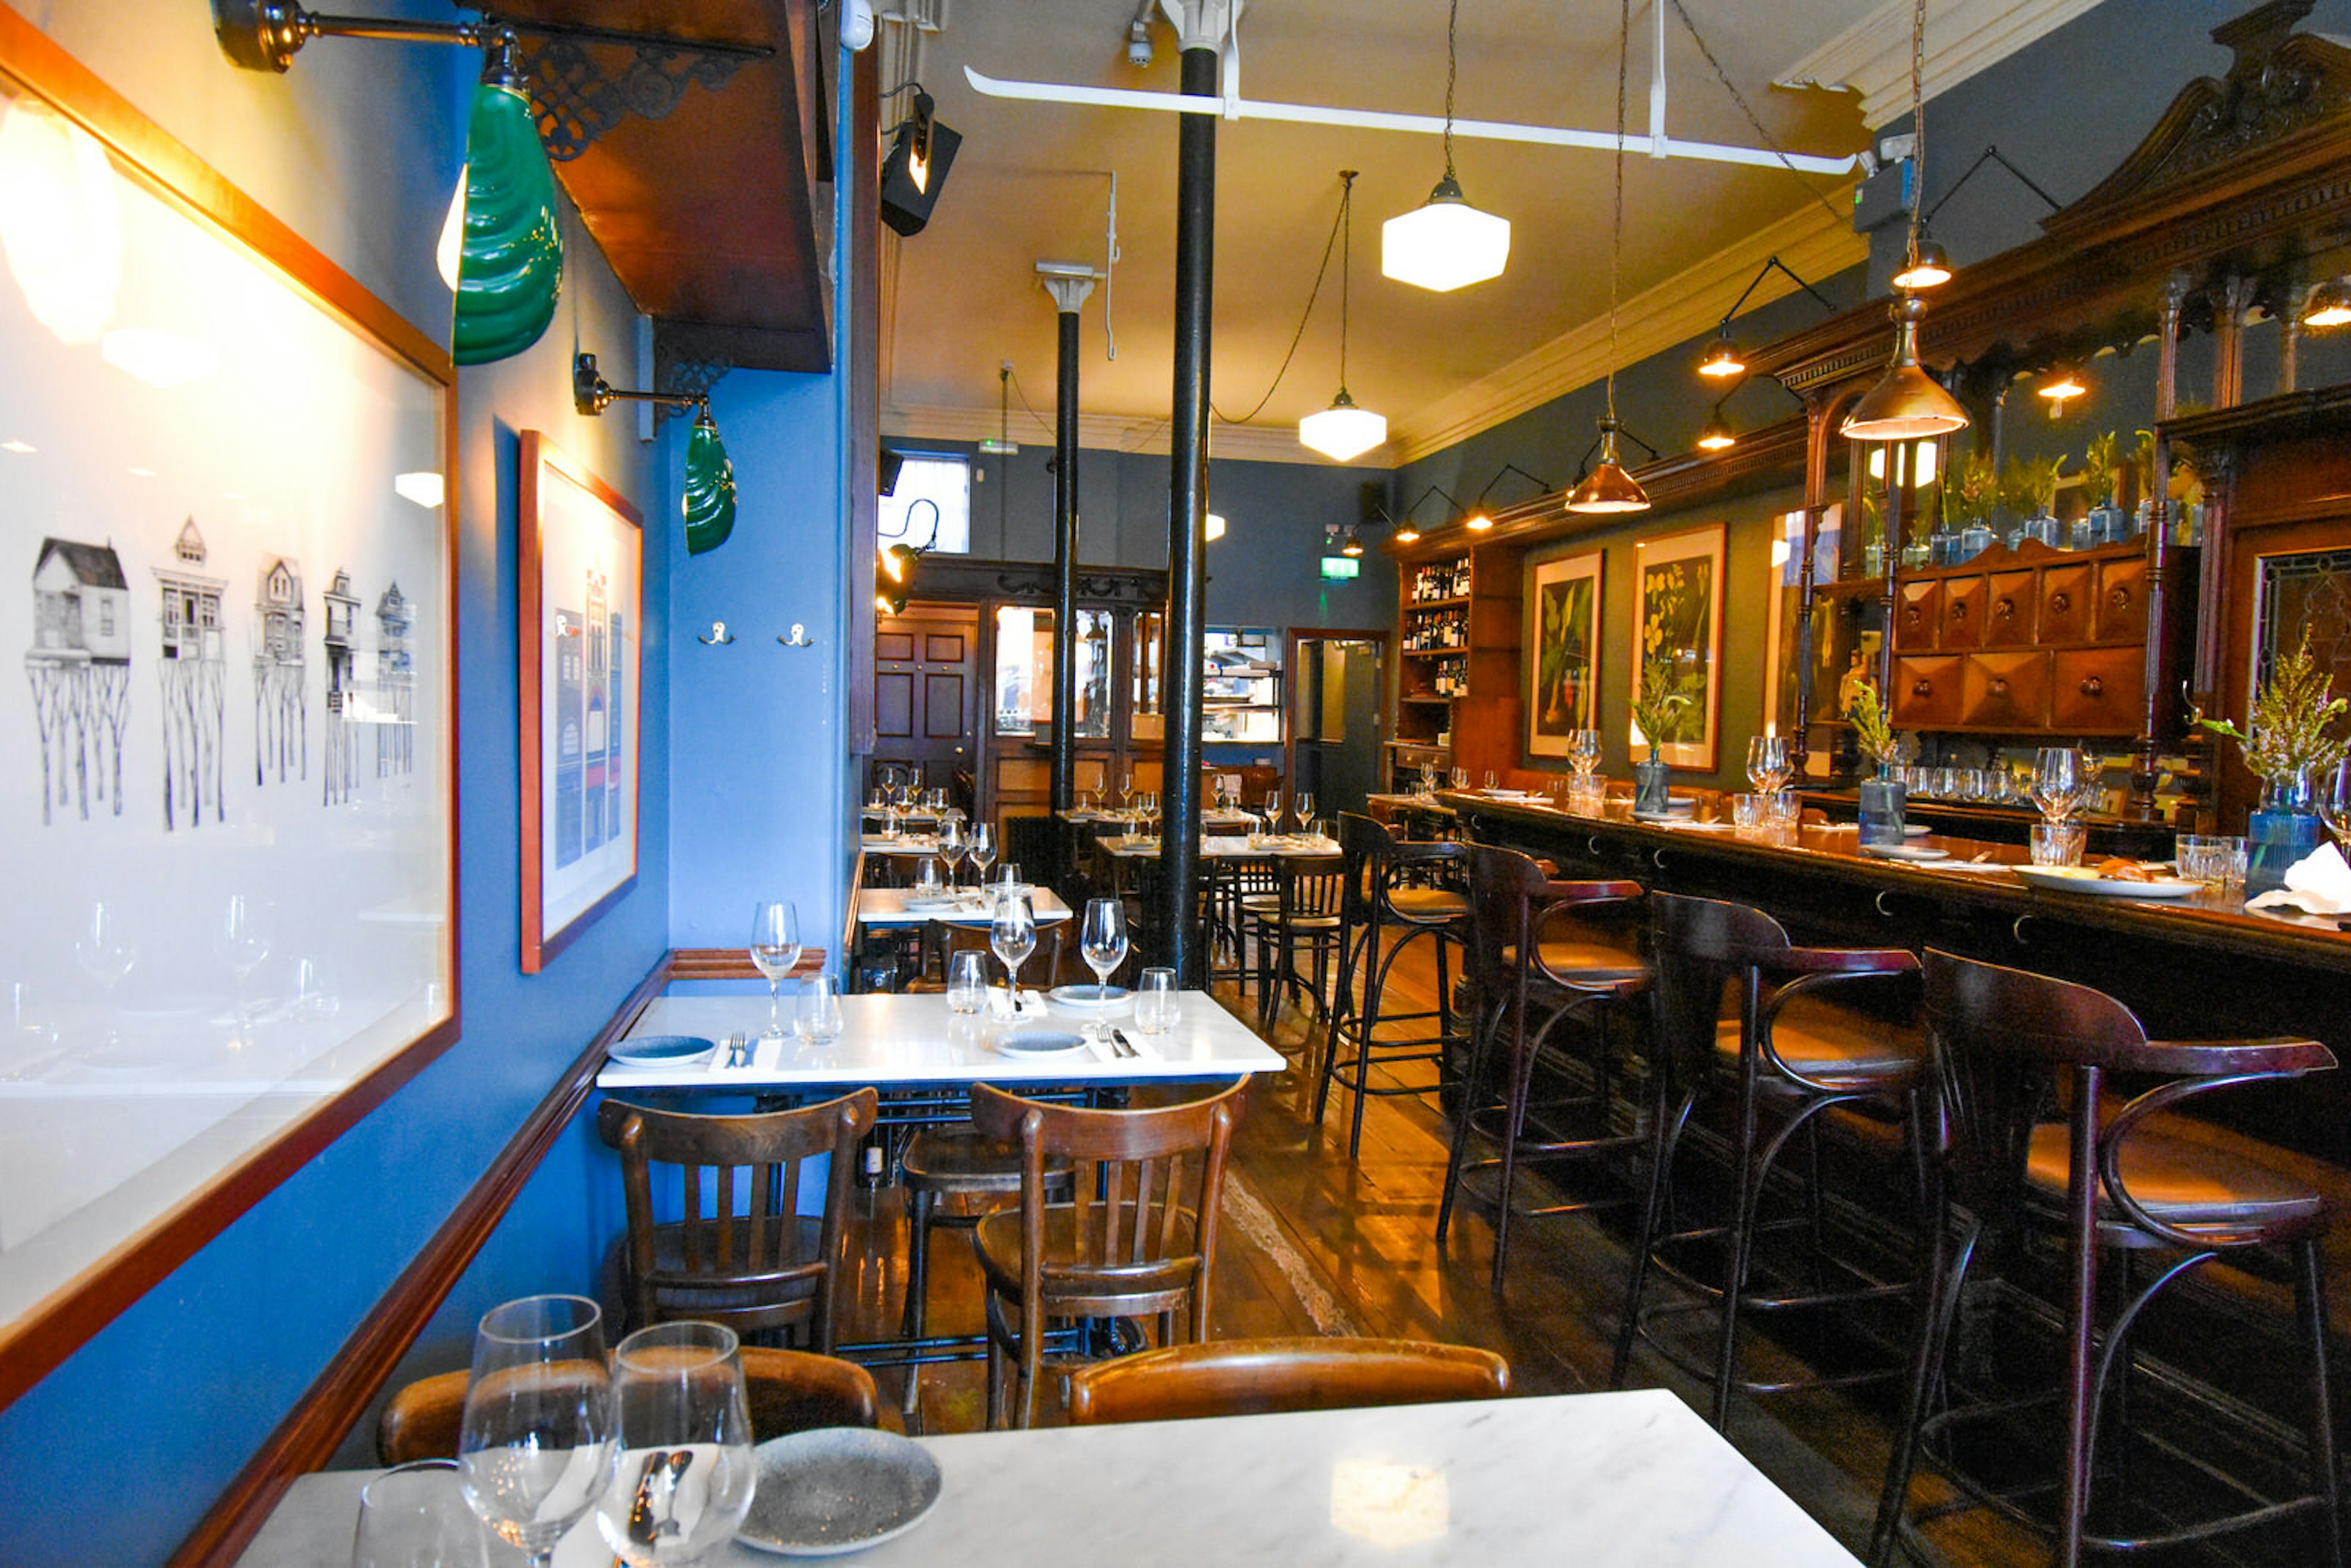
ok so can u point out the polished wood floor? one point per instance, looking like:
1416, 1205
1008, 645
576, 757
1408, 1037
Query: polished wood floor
1316, 1243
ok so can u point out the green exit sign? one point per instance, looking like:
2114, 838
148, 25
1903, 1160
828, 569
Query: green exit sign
1338, 567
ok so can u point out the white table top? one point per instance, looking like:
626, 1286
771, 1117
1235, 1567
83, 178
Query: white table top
893, 1039
887, 906
1215, 847
1247, 820
1598, 1480
904, 844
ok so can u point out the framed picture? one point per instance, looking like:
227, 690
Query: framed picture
1678, 638
229, 814
583, 572
1563, 677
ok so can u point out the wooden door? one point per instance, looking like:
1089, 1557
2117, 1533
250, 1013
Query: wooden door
926, 681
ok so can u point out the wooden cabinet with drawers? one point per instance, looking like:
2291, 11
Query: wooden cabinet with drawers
2024, 641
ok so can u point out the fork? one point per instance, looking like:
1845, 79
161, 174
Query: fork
737, 1050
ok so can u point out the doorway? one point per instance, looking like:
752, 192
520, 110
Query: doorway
1337, 729
926, 668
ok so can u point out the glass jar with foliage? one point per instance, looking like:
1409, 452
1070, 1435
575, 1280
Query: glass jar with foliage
2030, 488
1657, 710
2102, 468
2142, 465
1873, 732
2286, 740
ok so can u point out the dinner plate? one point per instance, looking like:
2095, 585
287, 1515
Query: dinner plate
1916, 830
1904, 853
835, 1489
1084, 996
1041, 1042
935, 905
661, 1051
1663, 817
2081, 879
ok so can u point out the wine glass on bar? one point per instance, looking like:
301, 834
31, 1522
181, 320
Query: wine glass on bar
1768, 769
775, 949
1584, 750
2060, 783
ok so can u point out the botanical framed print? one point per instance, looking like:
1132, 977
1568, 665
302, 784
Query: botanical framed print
582, 573
1678, 638
230, 813
1564, 630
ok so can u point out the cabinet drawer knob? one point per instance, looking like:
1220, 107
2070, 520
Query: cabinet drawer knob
2119, 598
2005, 610
2061, 602
2094, 687
1958, 609
2000, 686
1922, 687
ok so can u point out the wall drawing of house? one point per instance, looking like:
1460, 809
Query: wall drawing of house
281, 717
80, 670
341, 642
193, 674
395, 685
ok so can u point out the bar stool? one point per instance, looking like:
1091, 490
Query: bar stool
1535, 971
1789, 1051
2108, 1178
1377, 899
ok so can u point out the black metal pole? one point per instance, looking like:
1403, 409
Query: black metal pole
1065, 571
1177, 916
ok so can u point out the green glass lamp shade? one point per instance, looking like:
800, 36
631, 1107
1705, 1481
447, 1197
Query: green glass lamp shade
709, 490
510, 268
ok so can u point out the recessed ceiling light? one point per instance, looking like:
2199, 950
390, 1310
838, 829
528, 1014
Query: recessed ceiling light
17, 446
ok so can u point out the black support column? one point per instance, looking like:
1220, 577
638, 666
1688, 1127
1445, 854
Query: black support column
1175, 915
1069, 286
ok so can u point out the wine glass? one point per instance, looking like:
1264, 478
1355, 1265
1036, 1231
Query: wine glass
1493, 781
979, 848
1767, 763
1458, 777
775, 948
241, 945
415, 1516
1125, 788
1012, 933
2335, 803
535, 1443
686, 1469
1273, 811
1305, 808
1101, 941
1584, 750
2059, 782
952, 845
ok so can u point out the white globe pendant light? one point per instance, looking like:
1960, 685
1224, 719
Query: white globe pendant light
1344, 431
1445, 244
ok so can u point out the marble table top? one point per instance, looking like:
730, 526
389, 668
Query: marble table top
887, 906
893, 1039
1598, 1480
1219, 847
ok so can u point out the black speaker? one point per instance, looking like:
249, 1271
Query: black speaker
907, 206
885, 473
1374, 506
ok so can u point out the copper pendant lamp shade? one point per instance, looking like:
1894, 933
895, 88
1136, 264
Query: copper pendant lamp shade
1908, 405
1608, 488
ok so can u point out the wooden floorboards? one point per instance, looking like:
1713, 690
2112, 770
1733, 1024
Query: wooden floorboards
1316, 1243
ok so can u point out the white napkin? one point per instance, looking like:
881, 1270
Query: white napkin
2319, 882
1032, 1003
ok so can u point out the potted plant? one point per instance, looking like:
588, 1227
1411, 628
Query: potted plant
2142, 463
2031, 487
1656, 714
2102, 469
1873, 732
1872, 533
2285, 741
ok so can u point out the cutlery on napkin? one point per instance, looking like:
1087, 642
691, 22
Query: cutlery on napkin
2318, 883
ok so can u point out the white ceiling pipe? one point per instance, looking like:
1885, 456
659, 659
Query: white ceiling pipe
1376, 120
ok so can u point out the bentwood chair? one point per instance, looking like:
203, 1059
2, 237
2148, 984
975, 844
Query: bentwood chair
1823, 1037
1390, 899
1262, 1376
1547, 981
788, 1391
1136, 1237
2034, 1143
738, 1253
1301, 914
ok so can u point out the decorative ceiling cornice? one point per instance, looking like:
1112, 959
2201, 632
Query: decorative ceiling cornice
1963, 36
1684, 306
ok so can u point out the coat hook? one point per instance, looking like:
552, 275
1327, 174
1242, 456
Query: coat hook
799, 639
719, 636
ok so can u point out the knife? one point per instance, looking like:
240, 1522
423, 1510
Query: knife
1126, 1047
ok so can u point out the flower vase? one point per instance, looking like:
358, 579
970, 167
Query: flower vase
1650, 797
1881, 808
2283, 830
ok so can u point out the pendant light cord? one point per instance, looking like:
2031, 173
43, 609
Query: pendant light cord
1754, 122
1346, 256
1918, 117
1616, 228
1452, 20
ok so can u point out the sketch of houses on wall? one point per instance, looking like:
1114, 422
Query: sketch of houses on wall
80, 670
342, 607
193, 673
594, 829
281, 717
395, 685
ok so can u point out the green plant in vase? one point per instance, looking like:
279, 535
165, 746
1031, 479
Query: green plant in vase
2101, 465
2286, 741
1873, 732
1872, 533
2142, 468
1657, 710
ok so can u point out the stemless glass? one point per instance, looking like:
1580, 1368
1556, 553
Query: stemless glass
2059, 782
928, 883
966, 981
535, 1444
1012, 933
952, 845
1768, 769
1155, 1007
415, 1516
981, 849
775, 948
1101, 941
686, 1468
817, 1019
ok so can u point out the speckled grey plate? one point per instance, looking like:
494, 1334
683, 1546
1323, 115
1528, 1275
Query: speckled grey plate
835, 1489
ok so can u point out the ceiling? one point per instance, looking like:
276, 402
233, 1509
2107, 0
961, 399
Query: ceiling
1031, 182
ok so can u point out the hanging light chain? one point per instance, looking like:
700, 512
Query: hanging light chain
1917, 118
1346, 259
1452, 19
1616, 225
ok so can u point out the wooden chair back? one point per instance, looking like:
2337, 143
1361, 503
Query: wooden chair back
1512, 898
1261, 1376
1142, 1227
1309, 887
788, 1391
738, 1253
942, 939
